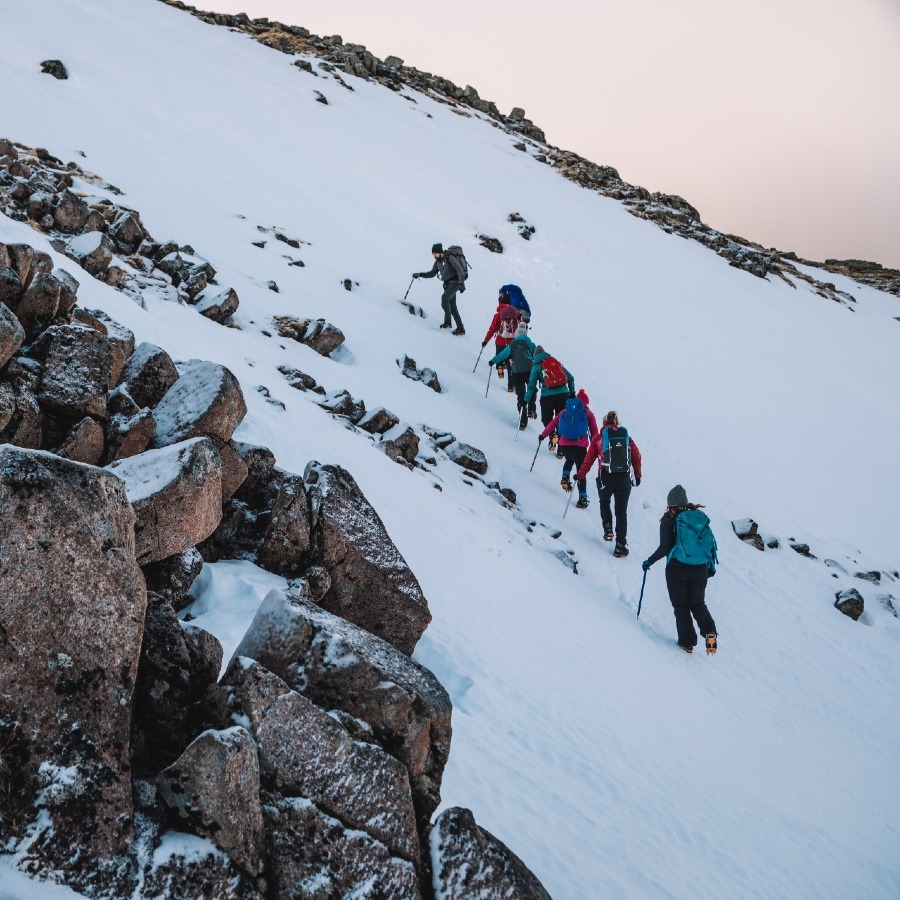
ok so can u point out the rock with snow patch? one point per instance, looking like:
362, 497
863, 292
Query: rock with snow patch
10, 287
11, 335
148, 374
490, 243
260, 485
206, 400
234, 469
121, 342
467, 456
469, 862
25, 261
299, 380
92, 251
342, 667
213, 789
84, 443
176, 493
77, 371
72, 603
378, 421
802, 549
322, 336
873, 577
39, 304
401, 444
428, 377
128, 435
172, 577
372, 585
71, 213
217, 304
188, 272
341, 403
285, 548
56, 68
747, 531
850, 602
127, 230
889, 603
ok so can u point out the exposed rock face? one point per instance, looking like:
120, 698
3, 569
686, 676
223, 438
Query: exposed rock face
467, 456
372, 586
77, 370
469, 862
322, 336
213, 787
55, 68
148, 374
127, 436
11, 334
205, 401
850, 602
93, 251
341, 667
72, 604
84, 443
747, 531
286, 546
171, 578
176, 493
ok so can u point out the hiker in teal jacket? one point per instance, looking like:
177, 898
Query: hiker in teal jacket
520, 353
553, 398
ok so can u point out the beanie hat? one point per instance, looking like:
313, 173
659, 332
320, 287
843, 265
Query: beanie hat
437, 248
677, 496
583, 397
522, 330
538, 349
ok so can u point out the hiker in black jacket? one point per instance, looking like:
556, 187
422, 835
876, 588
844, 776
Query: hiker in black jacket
453, 278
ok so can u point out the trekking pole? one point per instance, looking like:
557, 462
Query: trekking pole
490, 372
410, 287
535, 455
642, 595
568, 501
479, 359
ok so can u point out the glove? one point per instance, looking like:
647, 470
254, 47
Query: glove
637, 481
645, 565
490, 362
417, 274
710, 572
484, 343
462, 288
541, 439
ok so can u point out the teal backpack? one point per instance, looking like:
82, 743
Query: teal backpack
695, 544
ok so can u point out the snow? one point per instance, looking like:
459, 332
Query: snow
612, 764
150, 473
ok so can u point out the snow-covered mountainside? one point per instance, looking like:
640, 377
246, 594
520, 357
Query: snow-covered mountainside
612, 763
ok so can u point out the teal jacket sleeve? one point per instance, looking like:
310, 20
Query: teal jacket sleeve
502, 356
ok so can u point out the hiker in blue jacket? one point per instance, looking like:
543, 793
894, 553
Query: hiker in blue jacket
686, 539
520, 353
557, 386
517, 299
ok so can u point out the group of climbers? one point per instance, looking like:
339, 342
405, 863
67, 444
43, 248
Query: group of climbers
686, 539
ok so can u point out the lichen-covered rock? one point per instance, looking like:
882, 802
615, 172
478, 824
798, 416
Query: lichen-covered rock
213, 788
148, 374
72, 603
10, 286
121, 342
39, 304
469, 862
342, 667
467, 456
171, 578
372, 585
128, 435
19, 408
11, 335
176, 493
76, 373
286, 546
205, 401
850, 602
84, 443
70, 214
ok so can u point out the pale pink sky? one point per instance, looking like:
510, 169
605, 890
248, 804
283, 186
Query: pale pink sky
777, 119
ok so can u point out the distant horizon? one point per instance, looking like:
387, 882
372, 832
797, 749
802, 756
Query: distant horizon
780, 133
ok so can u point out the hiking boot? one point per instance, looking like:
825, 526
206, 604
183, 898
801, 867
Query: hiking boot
582, 502
711, 644
532, 414
621, 550
523, 425
500, 370
445, 325
458, 331
510, 389
608, 534
566, 485
559, 453
687, 649
554, 440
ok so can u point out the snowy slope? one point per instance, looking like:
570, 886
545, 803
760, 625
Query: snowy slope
614, 765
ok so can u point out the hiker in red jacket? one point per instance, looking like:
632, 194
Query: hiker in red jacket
619, 458
576, 426
504, 324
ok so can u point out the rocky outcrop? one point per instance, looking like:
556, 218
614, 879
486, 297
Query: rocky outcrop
72, 603
172, 577
148, 374
469, 862
428, 377
76, 372
55, 68
372, 586
321, 336
285, 547
217, 305
467, 456
850, 602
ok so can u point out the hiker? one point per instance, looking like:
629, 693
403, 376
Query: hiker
557, 386
620, 467
519, 352
514, 293
576, 426
452, 269
687, 541
503, 325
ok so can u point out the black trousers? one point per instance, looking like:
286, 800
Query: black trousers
551, 405
574, 456
687, 593
519, 382
615, 486
448, 304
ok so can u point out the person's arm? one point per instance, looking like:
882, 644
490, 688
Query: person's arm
589, 459
635, 462
549, 429
502, 356
571, 381
592, 425
432, 273
666, 539
532, 381
492, 330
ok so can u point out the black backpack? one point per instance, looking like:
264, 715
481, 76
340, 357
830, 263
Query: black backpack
458, 261
616, 449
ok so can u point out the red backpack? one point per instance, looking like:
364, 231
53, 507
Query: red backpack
552, 372
509, 322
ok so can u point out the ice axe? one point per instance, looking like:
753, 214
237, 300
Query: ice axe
535, 455
410, 287
479, 358
490, 372
568, 501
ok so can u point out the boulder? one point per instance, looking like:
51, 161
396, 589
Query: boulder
71, 213
304, 751
216, 304
311, 855
76, 374
873, 577
401, 445
378, 421
84, 443
148, 374
128, 435
213, 788
19, 407
205, 401
467, 456
27, 262
92, 251
176, 493
341, 403
68, 291
121, 342
469, 862
72, 603
372, 585
341, 667
127, 231
172, 577
188, 272
10, 287
55, 68
11, 334
850, 602
8, 148
322, 336
285, 548
260, 486
428, 377
234, 469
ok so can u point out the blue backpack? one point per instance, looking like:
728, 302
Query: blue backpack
695, 544
517, 299
573, 422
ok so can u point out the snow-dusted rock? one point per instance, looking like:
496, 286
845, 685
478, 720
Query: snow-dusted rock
10, 286
213, 788
76, 374
93, 251
401, 444
341, 403
206, 400
217, 304
340, 666
188, 272
172, 577
469, 862
127, 230
72, 603
467, 456
378, 421
285, 548
148, 374
128, 435
747, 531
372, 585
84, 443
39, 304
121, 342
176, 493
11, 333
234, 469
70, 214
25, 261
428, 377
322, 336
850, 602
19, 409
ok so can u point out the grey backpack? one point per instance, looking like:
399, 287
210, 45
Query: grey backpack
458, 262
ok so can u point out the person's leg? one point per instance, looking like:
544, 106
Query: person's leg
677, 583
445, 305
697, 599
578, 455
621, 495
547, 410
570, 455
453, 310
604, 493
